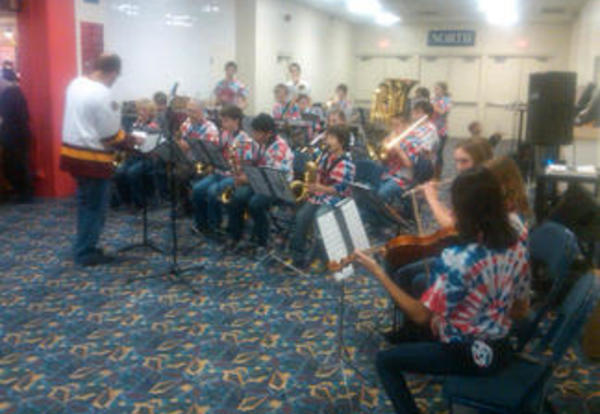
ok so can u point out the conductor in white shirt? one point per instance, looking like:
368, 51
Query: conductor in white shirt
91, 133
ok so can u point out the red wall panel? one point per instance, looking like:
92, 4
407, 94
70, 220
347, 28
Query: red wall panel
47, 62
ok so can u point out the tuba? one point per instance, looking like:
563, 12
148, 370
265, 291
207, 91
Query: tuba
390, 98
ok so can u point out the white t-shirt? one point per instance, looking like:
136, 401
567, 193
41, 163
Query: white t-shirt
300, 88
90, 114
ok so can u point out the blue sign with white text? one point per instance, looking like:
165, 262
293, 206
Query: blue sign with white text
451, 38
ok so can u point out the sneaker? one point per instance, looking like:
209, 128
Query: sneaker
97, 259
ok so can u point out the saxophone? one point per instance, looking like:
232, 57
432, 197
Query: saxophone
227, 193
300, 187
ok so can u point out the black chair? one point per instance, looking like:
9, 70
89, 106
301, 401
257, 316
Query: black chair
522, 386
554, 248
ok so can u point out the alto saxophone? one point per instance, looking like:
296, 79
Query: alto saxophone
300, 187
227, 193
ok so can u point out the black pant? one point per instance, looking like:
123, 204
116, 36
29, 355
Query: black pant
15, 159
431, 358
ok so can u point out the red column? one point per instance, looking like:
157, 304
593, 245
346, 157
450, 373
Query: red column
47, 63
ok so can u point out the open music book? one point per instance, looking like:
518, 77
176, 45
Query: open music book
150, 140
342, 232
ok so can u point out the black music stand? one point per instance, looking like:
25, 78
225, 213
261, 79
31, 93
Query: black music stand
171, 153
272, 183
367, 195
146, 243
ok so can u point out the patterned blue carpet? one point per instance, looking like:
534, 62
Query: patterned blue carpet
253, 340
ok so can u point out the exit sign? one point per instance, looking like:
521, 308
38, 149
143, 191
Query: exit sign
451, 38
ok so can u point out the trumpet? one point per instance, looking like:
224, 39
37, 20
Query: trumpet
227, 193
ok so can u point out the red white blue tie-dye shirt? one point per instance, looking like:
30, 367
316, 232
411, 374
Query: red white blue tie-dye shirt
228, 91
336, 172
441, 119
287, 111
205, 131
422, 142
475, 287
243, 147
277, 155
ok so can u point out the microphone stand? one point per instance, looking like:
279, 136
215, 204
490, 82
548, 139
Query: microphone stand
174, 272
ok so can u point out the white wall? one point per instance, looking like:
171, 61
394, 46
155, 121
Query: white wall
320, 43
483, 78
155, 54
585, 43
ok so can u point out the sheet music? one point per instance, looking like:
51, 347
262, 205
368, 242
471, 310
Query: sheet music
257, 181
360, 240
150, 140
333, 240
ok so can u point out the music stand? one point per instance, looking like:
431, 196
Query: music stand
150, 143
272, 183
171, 153
366, 194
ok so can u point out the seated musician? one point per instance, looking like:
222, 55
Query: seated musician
335, 117
133, 177
285, 108
341, 101
304, 105
418, 146
335, 173
230, 91
273, 152
206, 192
467, 154
467, 321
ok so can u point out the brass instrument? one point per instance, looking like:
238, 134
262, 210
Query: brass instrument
227, 193
390, 98
300, 187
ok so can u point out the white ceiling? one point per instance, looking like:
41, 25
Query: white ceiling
459, 10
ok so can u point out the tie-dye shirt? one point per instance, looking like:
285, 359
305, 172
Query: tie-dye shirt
288, 111
336, 172
420, 143
474, 288
277, 155
441, 120
228, 91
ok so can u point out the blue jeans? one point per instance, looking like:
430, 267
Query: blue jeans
305, 218
92, 204
140, 178
435, 358
389, 190
205, 198
258, 206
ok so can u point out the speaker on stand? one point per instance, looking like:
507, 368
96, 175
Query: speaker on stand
551, 114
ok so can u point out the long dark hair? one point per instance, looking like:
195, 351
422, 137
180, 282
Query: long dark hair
480, 211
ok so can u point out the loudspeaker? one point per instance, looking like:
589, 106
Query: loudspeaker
551, 108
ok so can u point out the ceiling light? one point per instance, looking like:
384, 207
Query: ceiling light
502, 13
386, 19
364, 7
8, 33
